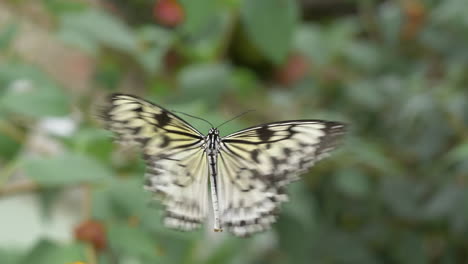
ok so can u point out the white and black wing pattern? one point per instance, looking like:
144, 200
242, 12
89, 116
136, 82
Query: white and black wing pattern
176, 162
256, 163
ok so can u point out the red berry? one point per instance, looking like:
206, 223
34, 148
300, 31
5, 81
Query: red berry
92, 232
295, 68
168, 13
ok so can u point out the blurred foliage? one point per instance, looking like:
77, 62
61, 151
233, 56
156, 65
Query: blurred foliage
396, 71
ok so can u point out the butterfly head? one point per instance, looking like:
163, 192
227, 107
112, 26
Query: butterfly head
212, 141
213, 131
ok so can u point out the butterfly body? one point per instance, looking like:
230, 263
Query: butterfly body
246, 171
212, 149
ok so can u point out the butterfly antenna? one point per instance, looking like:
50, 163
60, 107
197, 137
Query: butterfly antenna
196, 117
237, 116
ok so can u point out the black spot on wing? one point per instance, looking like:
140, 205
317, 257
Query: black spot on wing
162, 118
184, 218
165, 141
264, 133
142, 140
139, 109
333, 133
275, 162
254, 155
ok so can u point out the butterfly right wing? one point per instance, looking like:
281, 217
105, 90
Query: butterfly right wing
255, 165
176, 163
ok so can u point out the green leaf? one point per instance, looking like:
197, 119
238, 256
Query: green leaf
47, 198
95, 26
458, 153
132, 241
325, 45
9, 256
101, 204
444, 202
459, 217
270, 24
7, 35
36, 102
126, 198
300, 214
12, 70
204, 81
450, 13
328, 241
364, 55
59, 6
79, 40
410, 249
8, 147
363, 94
47, 252
176, 247
403, 197
303, 209
246, 83
198, 14
94, 142
308, 36
352, 182
228, 249
390, 19
129, 197
69, 168
372, 154
155, 43
31, 92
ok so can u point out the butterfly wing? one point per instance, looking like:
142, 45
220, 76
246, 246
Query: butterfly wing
256, 163
176, 164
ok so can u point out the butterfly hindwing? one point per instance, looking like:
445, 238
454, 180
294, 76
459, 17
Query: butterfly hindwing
256, 163
182, 182
176, 165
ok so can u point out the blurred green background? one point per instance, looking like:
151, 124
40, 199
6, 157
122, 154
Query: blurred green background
396, 71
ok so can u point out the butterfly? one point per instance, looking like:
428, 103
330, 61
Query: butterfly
244, 174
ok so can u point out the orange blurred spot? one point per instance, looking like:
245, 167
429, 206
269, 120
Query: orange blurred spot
295, 69
168, 13
92, 232
415, 16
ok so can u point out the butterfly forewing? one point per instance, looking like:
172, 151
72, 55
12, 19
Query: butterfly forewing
176, 164
256, 163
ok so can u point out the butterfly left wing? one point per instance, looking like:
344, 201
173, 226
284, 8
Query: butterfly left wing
176, 163
256, 163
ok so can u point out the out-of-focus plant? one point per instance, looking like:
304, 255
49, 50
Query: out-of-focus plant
394, 70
